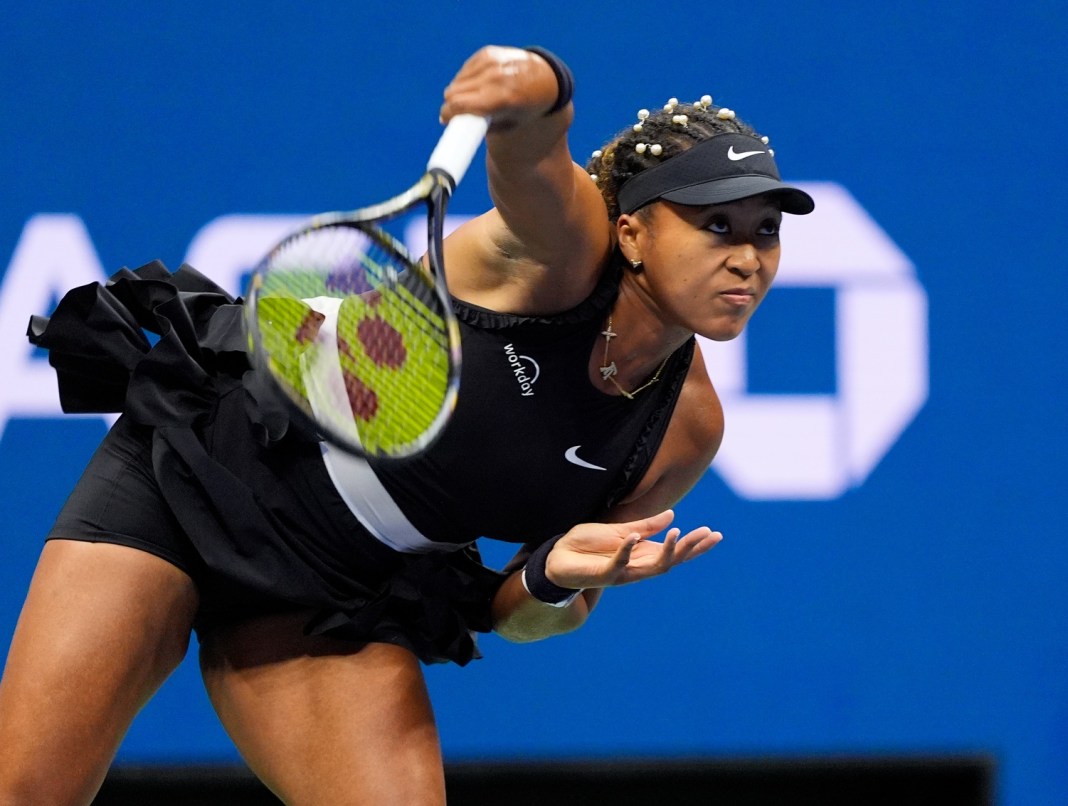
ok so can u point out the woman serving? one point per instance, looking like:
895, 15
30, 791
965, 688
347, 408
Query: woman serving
317, 582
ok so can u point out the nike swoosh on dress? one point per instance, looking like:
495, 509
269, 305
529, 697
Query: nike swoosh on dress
571, 454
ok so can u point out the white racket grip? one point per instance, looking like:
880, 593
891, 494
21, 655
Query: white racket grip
458, 144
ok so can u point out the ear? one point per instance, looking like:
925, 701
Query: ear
629, 230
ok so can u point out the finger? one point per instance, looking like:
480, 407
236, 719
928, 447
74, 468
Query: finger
498, 79
622, 555
684, 547
646, 527
468, 99
696, 543
667, 550
692, 542
474, 90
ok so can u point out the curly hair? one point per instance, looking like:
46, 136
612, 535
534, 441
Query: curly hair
619, 159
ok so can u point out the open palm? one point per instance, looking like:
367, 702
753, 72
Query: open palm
599, 555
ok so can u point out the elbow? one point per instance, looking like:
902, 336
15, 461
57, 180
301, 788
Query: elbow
514, 636
520, 636
519, 630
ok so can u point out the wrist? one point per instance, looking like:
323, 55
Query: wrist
565, 80
537, 583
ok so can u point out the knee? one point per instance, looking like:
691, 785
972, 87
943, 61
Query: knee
36, 771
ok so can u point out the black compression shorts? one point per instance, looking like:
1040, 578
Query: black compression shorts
118, 500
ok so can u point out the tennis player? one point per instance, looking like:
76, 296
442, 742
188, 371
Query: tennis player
317, 586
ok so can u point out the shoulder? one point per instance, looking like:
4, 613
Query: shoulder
690, 443
493, 263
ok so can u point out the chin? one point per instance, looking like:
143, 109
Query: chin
722, 333
723, 329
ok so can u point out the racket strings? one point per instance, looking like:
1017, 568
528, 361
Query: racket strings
357, 336
355, 263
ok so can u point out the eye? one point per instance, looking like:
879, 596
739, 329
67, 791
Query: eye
719, 225
769, 227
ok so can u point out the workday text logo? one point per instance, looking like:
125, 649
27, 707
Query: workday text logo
777, 447
525, 369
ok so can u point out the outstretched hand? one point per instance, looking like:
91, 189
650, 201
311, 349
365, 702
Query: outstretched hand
600, 555
503, 83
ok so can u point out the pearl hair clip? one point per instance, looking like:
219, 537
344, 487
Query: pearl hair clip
680, 120
596, 155
653, 148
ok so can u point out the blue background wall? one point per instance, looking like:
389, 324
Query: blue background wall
923, 610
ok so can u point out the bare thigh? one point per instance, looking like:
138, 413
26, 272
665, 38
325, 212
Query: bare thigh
102, 627
321, 723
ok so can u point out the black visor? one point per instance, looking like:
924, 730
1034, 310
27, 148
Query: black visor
723, 168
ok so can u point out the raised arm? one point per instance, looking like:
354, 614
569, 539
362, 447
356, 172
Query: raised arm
542, 246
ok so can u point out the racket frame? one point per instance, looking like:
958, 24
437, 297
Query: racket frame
434, 189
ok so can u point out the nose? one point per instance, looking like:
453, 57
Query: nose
743, 259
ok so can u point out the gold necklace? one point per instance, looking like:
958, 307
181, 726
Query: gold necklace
609, 370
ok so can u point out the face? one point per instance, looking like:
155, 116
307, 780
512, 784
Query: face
705, 269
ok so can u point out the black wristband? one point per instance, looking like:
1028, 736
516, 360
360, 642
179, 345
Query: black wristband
565, 80
539, 585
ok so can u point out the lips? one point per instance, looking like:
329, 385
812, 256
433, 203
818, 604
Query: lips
738, 296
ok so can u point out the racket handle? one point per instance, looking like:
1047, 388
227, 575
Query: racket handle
457, 146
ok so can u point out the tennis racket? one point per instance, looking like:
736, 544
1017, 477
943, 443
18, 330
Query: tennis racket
356, 334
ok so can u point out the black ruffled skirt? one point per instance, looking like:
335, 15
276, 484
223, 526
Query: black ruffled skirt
246, 491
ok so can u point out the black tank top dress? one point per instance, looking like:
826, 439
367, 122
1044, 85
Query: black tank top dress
205, 469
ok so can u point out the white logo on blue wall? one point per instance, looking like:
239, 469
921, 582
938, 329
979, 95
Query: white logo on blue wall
795, 447
777, 447
53, 254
